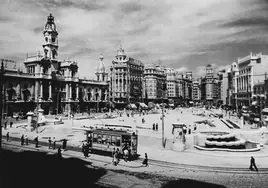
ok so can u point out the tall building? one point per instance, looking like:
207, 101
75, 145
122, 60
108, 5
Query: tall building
154, 79
252, 69
171, 83
126, 79
222, 87
49, 83
196, 90
209, 79
232, 85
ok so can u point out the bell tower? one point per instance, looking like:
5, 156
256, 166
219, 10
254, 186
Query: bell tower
50, 43
101, 73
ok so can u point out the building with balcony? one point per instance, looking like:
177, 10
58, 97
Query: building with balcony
154, 79
196, 90
49, 83
252, 69
126, 80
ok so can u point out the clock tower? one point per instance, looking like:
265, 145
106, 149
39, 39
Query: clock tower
50, 43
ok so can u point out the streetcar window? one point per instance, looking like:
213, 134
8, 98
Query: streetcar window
109, 140
104, 139
113, 140
99, 138
95, 138
118, 139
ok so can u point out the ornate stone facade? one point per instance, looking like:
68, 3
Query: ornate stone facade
51, 84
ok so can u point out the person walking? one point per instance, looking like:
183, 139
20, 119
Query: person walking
86, 151
59, 152
54, 143
156, 126
153, 127
113, 152
5, 125
253, 164
22, 140
7, 136
49, 142
10, 124
145, 161
26, 139
36, 141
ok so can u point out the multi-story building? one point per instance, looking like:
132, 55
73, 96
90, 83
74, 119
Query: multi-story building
171, 83
209, 79
49, 83
222, 87
154, 80
252, 70
232, 74
196, 90
126, 79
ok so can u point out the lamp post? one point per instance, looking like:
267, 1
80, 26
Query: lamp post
164, 88
1, 101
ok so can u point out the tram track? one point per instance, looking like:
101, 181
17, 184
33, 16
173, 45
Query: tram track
165, 164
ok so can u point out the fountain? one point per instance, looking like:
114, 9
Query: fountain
222, 141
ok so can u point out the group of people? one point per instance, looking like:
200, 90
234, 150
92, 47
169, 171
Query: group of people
23, 139
85, 149
10, 124
155, 126
50, 143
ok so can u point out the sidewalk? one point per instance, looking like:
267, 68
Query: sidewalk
169, 156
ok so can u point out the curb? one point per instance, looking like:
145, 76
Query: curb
158, 163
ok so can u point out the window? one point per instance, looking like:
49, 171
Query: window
95, 138
53, 39
104, 139
113, 140
118, 140
109, 140
99, 139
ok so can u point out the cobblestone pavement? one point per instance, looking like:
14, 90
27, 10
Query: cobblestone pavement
154, 177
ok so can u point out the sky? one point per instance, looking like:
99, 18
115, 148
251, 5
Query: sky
183, 34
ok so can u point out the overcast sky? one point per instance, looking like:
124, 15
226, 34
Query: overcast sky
183, 34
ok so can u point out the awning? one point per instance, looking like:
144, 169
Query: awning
254, 103
143, 105
133, 106
265, 110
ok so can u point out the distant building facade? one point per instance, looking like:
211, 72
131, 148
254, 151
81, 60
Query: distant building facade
154, 79
49, 83
252, 69
126, 79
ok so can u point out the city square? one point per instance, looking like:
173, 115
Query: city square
114, 95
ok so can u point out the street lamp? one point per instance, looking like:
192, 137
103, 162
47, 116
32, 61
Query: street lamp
164, 88
1, 102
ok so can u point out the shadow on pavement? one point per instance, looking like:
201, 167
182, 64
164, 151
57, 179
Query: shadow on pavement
190, 183
36, 169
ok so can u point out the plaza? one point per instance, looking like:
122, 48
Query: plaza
150, 141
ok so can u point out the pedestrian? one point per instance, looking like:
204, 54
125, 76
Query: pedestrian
253, 164
22, 140
5, 125
153, 127
26, 139
83, 147
49, 142
145, 161
7, 136
86, 151
11, 123
156, 126
59, 152
54, 143
113, 152
36, 141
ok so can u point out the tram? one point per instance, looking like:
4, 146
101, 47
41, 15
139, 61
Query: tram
106, 137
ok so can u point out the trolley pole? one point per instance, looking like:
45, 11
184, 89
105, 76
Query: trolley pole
1, 102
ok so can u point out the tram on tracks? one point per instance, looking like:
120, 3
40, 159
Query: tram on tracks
106, 137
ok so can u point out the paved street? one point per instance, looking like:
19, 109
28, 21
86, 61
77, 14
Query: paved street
125, 175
